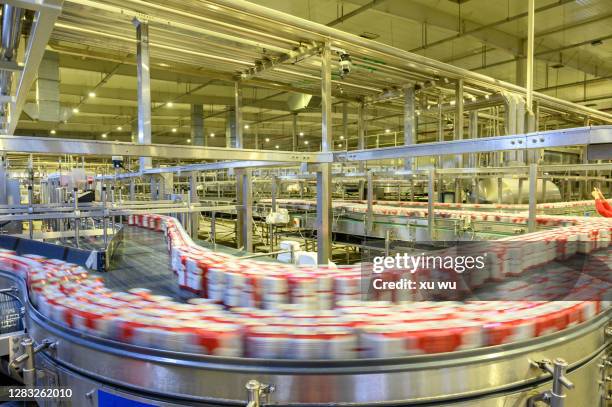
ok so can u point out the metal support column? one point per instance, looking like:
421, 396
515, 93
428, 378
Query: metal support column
230, 125
370, 203
533, 199
104, 216
458, 191
244, 198
440, 129
431, 192
473, 135
197, 126
459, 118
30, 210
77, 219
238, 127
144, 87
295, 132
361, 110
112, 218
583, 184
324, 202
324, 214
3, 179
273, 192
410, 125
534, 154
194, 200
345, 132
154, 189
530, 46
132, 189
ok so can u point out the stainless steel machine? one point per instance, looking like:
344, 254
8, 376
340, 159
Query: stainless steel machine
569, 368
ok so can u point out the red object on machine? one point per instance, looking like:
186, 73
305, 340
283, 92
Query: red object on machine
603, 208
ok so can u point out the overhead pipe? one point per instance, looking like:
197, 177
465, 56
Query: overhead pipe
411, 60
301, 52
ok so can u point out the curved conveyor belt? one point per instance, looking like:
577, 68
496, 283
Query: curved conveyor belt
479, 377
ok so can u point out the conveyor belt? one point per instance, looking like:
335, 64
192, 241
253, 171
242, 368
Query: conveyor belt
142, 260
219, 379
88, 242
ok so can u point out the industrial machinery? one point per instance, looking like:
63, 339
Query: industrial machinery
208, 216
93, 367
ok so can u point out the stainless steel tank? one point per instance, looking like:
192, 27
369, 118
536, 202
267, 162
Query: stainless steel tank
513, 191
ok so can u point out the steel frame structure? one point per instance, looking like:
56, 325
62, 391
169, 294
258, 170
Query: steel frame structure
253, 47
46, 14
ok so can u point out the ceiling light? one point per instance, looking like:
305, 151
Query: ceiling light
301, 134
169, 104
174, 130
103, 135
52, 131
387, 130
339, 144
212, 135
189, 140
92, 94
75, 110
277, 146
119, 128
306, 142
341, 137
246, 126
267, 140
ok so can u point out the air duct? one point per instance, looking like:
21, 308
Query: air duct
301, 101
47, 107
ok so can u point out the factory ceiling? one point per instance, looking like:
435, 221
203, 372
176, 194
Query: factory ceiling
199, 48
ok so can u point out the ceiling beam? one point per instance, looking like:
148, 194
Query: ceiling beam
45, 145
487, 34
477, 28
355, 12
554, 55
